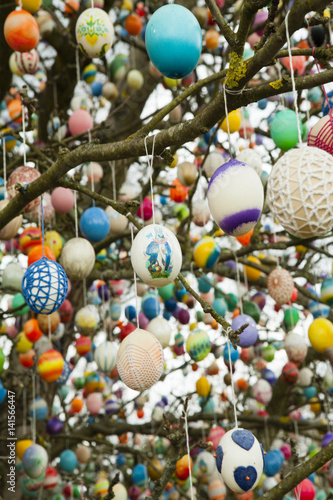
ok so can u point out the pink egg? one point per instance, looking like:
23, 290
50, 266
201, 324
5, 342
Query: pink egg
62, 200
146, 209
80, 121
94, 403
253, 39
299, 63
23, 176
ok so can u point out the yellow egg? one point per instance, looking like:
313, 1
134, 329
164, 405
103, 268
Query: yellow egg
321, 334
251, 273
171, 83
218, 233
192, 326
235, 118
23, 344
300, 249
21, 446
202, 387
327, 13
30, 5
315, 406
175, 161
54, 241
127, 5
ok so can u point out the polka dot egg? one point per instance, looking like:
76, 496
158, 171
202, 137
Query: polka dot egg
280, 285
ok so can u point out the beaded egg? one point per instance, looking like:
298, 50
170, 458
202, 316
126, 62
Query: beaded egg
240, 460
280, 285
35, 460
140, 360
206, 252
21, 31
24, 176
299, 193
170, 48
50, 365
198, 344
242, 192
156, 255
78, 268
105, 356
94, 32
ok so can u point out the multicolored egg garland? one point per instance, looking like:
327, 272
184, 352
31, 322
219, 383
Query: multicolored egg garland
241, 190
94, 32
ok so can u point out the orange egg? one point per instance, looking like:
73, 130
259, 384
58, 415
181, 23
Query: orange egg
27, 359
140, 413
36, 253
14, 108
21, 31
212, 39
76, 405
245, 239
123, 439
242, 384
71, 8
236, 312
178, 192
32, 330
133, 24
183, 467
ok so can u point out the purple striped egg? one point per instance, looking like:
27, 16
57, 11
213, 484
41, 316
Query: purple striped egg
235, 197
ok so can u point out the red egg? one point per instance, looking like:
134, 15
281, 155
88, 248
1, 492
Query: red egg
305, 490
126, 330
27, 359
24, 176
62, 200
32, 330
178, 192
83, 345
65, 311
80, 121
299, 63
21, 31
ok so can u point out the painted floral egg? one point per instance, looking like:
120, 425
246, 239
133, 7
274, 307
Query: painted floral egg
94, 32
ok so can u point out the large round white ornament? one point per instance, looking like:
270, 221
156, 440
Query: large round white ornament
78, 258
94, 32
240, 460
156, 255
160, 327
105, 356
300, 194
140, 360
235, 197
118, 222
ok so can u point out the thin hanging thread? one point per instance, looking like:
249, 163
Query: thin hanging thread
227, 118
150, 168
293, 81
75, 216
135, 287
188, 454
323, 86
33, 422
4, 167
23, 132
232, 385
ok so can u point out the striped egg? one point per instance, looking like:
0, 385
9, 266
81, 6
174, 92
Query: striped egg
105, 356
318, 310
38, 407
50, 365
217, 489
326, 291
206, 252
111, 406
235, 197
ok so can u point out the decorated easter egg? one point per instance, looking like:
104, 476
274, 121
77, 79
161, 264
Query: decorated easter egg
326, 291
86, 319
169, 47
321, 134
160, 327
95, 224
27, 62
252, 158
51, 478
50, 365
118, 222
215, 435
48, 210
289, 373
21, 446
54, 241
206, 252
298, 192
140, 360
35, 460
82, 102
305, 490
262, 391
80, 121
83, 345
9, 231
318, 310
44, 286
198, 344
23, 176
21, 31
321, 334
78, 268
242, 192
38, 409
94, 32
216, 489
105, 356
280, 285
296, 348
249, 336
94, 403
156, 255
240, 460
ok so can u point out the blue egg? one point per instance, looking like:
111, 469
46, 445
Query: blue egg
64, 375
174, 40
262, 103
318, 310
143, 32
324, 105
89, 356
68, 460
150, 305
310, 392
268, 375
204, 284
121, 460
130, 312
170, 304
115, 310
220, 306
39, 408
312, 477
273, 462
209, 134
207, 405
2, 187
315, 94
96, 88
3, 392
181, 294
139, 475
163, 200
95, 224
234, 354
167, 315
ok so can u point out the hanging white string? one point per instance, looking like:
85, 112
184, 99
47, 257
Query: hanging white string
23, 132
4, 167
150, 169
33, 421
232, 385
293, 81
188, 454
77, 63
75, 216
92, 4
135, 287
227, 118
